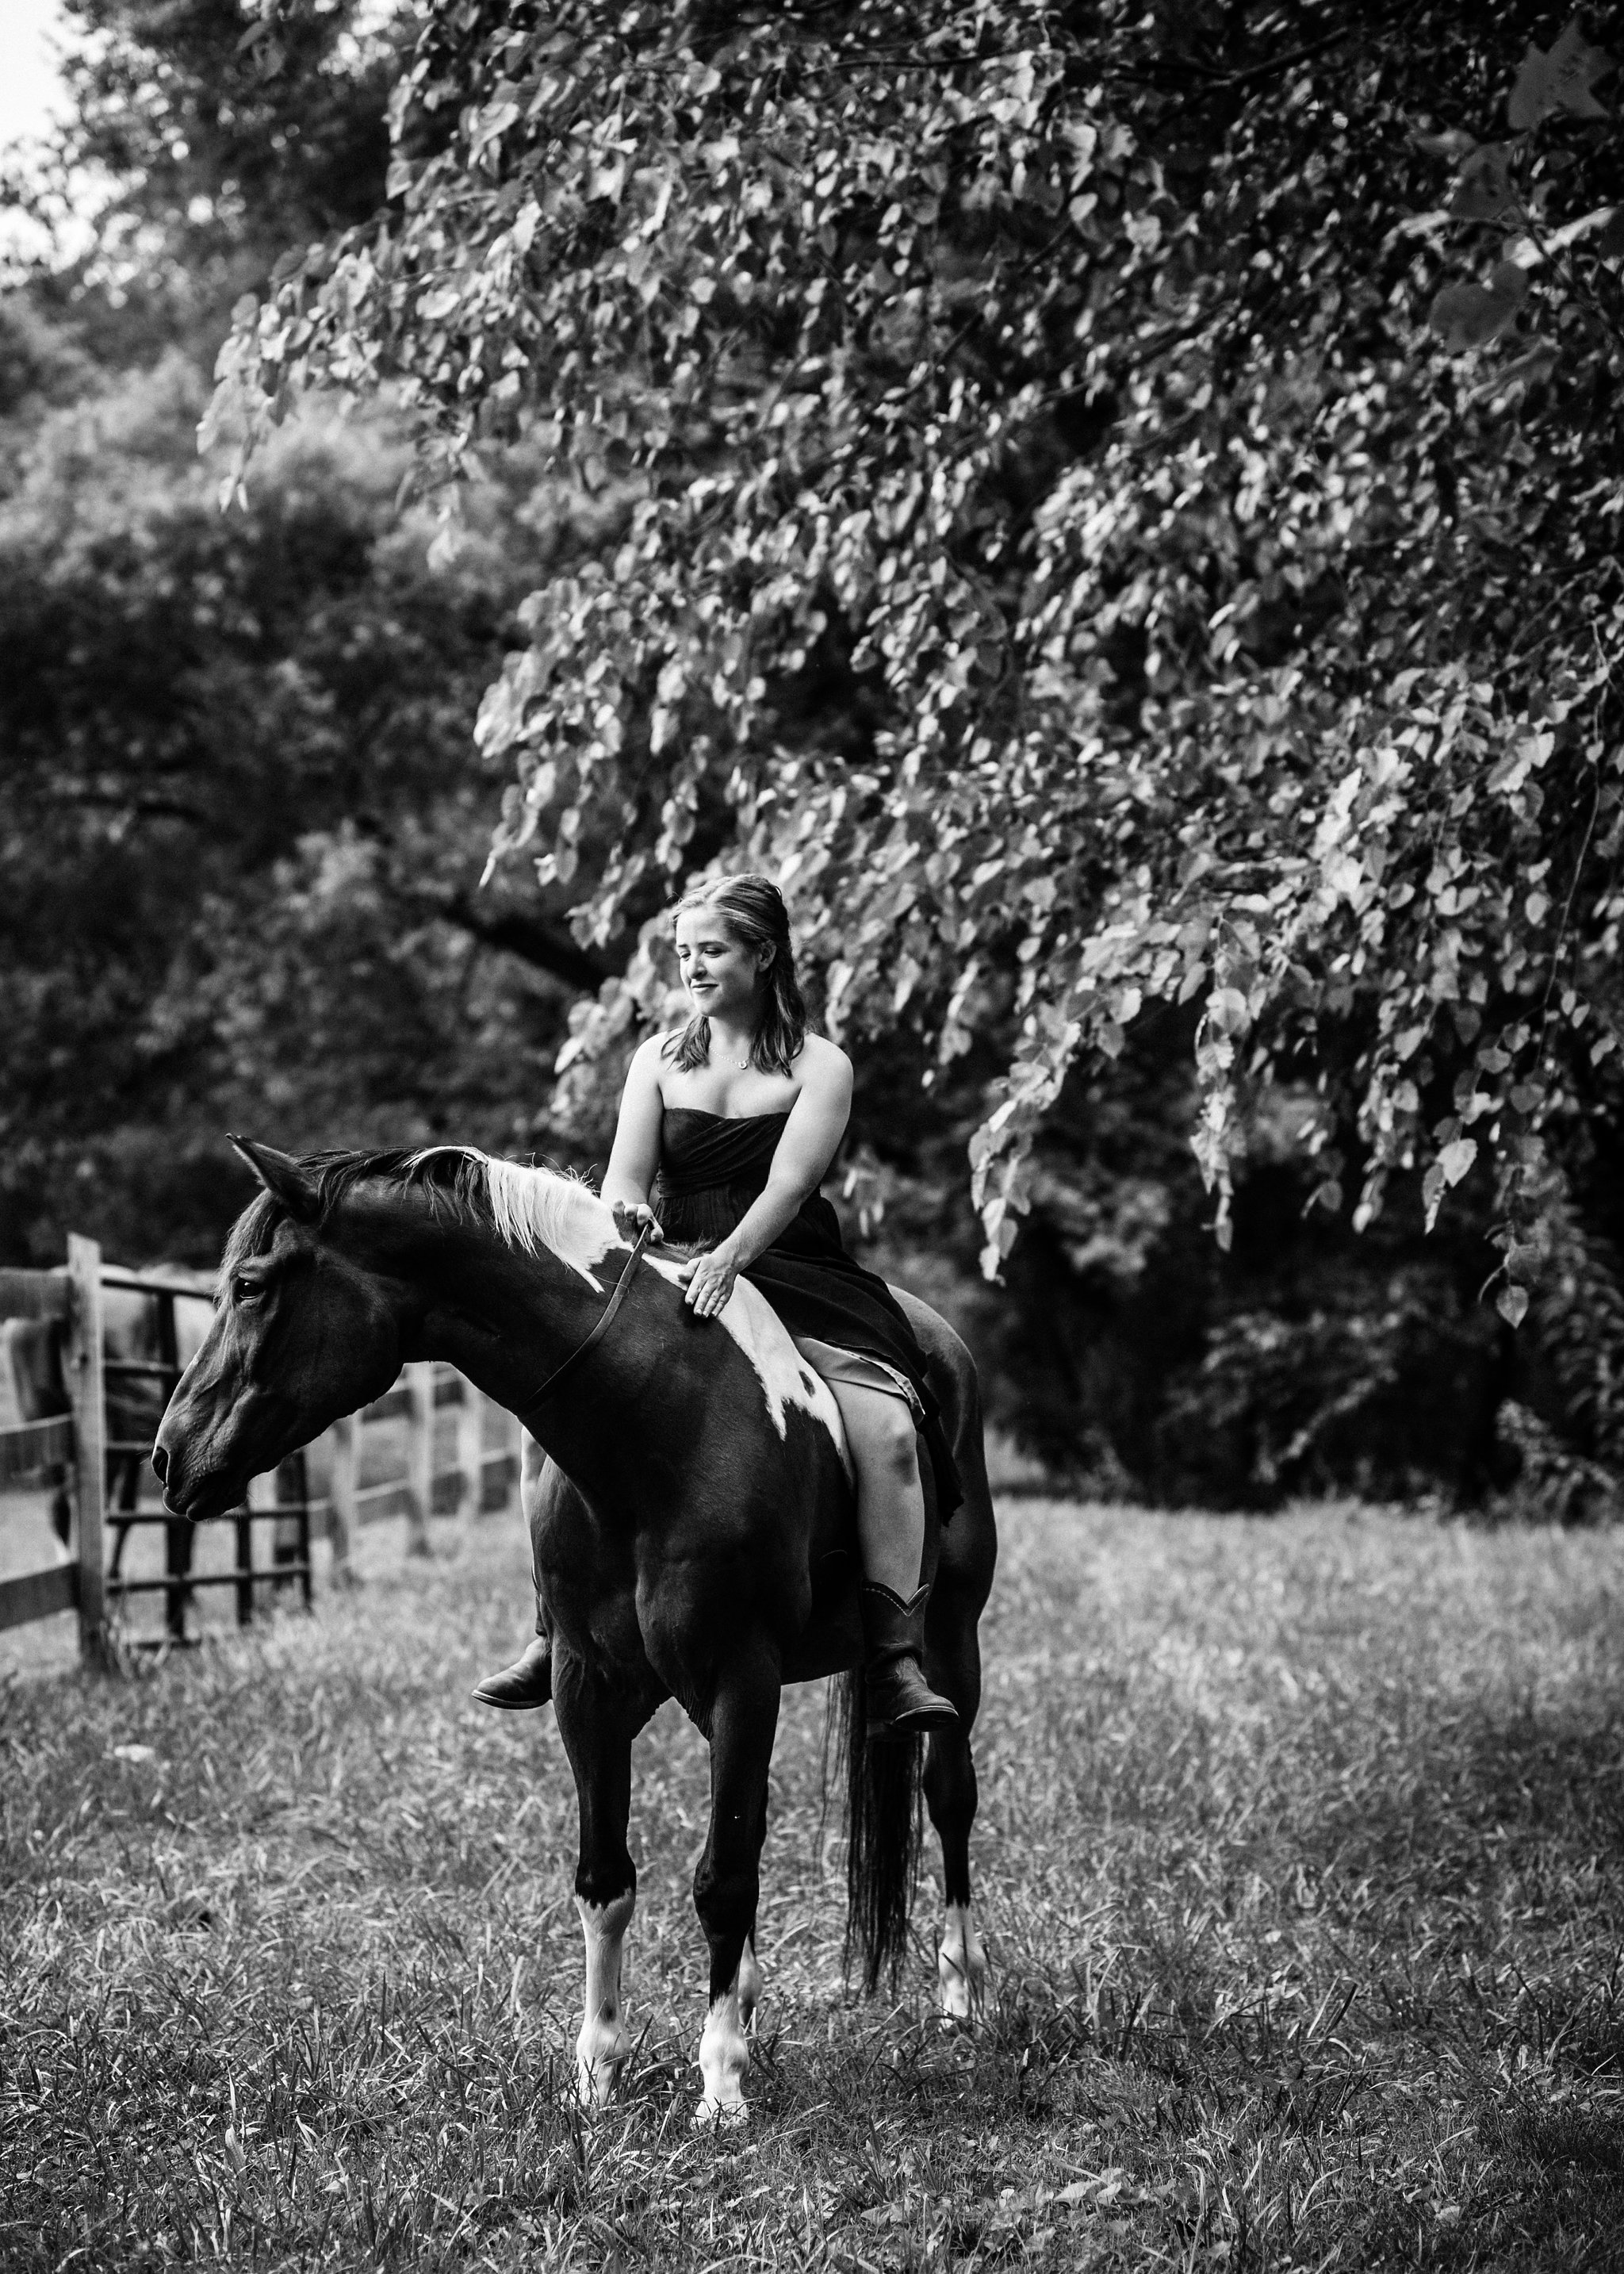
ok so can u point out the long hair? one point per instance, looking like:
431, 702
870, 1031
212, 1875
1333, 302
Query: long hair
752, 908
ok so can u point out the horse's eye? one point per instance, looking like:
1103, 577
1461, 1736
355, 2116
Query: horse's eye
245, 1291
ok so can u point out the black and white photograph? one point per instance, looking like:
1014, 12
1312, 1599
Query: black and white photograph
811, 1136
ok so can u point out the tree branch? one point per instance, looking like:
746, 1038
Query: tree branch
532, 940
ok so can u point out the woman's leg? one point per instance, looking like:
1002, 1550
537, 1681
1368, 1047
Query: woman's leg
528, 1683
890, 1499
890, 1536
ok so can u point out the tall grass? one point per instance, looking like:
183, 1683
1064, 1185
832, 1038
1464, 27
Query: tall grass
1300, 1857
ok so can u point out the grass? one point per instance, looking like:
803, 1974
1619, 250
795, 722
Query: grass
1300, 1864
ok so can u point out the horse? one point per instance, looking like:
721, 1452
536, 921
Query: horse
692, 1524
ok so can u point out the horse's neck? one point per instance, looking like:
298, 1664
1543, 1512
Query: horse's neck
507, 1321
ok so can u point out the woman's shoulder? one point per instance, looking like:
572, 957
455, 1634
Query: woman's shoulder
820, 1060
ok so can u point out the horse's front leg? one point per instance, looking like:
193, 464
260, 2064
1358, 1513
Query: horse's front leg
748, 1982
598, 1722
727, 1882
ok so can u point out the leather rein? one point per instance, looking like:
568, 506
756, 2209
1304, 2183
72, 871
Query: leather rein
622, 1287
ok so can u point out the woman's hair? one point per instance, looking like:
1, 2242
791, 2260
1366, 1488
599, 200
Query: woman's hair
752, 908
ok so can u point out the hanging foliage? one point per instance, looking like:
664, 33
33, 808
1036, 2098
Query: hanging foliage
1116, 504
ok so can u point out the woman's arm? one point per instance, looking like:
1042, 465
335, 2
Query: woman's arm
810, 1141
635, 1156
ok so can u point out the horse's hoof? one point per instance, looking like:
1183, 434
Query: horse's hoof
721, 2115
595, 2089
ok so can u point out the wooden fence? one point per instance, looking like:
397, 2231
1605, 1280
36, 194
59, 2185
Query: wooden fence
71, 1300
426, 1396
77, 1446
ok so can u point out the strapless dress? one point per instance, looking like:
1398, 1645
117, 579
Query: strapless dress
840, 1316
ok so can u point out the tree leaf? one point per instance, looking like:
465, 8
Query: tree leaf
1467, 316
1482, 186
1511, 1304
1457, 1158
1560, 80
1453, 143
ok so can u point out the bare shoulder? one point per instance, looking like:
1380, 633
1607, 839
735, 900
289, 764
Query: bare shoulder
650, 1057
824, 1065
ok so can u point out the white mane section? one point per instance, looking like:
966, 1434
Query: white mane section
537, 1208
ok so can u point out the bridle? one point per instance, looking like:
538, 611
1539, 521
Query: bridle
622, 1287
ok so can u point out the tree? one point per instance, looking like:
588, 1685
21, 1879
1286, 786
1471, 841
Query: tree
200, 158
1051, 527
242, 835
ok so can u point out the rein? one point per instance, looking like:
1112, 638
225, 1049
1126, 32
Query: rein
621, 1288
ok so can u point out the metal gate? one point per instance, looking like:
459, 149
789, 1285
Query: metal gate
98, 1470
280, 1502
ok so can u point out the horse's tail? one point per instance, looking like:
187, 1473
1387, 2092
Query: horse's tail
884, 1824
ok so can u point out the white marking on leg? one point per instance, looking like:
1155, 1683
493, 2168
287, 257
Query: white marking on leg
603, 2044
724, 2057
961, 1965
747, 1983
785, 1376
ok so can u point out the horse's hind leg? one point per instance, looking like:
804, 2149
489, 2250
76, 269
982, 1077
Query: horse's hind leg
597, 1724
953, 1664
727, 1882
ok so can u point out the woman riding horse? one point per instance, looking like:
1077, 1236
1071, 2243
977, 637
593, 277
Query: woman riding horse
738, 1115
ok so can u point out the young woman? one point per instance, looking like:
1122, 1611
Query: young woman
727, 1128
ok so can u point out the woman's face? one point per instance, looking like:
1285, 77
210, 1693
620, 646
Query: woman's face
722, 974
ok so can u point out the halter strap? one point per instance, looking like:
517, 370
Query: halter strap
621, 1288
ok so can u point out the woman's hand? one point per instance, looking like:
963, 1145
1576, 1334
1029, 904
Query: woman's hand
630, 1221
710, 1280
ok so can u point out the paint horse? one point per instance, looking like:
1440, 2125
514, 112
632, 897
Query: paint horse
692, 1526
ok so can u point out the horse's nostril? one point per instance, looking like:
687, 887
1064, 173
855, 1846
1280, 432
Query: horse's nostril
161, 1465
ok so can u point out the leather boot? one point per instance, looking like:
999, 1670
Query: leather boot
901, 1702
526, 1683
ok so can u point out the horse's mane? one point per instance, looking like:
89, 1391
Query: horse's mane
529, 1209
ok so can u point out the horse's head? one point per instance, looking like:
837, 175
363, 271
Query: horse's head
305, 1330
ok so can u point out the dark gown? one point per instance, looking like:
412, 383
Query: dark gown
711, 1171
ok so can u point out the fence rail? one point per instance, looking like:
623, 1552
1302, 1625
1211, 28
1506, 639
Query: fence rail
76, 1445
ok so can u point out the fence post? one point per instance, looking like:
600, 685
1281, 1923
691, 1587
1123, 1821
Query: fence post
258, 1501
471, 1450
342, 1515
420, 1454
85, 1387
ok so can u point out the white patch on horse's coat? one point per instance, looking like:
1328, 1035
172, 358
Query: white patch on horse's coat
724, 2057
534, 1208
747, 1983
603, 2044
961, 1965
785, 1376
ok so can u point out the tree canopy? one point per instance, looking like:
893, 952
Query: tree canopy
1052, 527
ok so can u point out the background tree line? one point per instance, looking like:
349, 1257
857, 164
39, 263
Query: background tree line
998, 473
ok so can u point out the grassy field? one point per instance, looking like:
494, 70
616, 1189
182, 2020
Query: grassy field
1302, 1866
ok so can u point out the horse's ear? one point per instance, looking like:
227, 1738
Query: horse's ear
284, 1177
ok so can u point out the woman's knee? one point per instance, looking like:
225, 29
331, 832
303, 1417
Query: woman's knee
891, 1444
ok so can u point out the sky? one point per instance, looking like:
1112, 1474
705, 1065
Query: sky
28, 86
29, 92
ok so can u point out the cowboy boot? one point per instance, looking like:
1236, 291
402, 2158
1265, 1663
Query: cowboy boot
901, 1702
526, 1683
